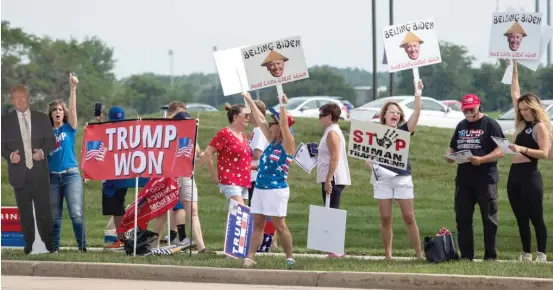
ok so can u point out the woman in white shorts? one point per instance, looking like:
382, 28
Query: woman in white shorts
271, 187
400, 186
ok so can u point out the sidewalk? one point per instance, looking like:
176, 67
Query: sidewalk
365, 280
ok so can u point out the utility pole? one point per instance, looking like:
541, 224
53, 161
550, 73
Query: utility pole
548, 8
171, 68
375, 81
391, 88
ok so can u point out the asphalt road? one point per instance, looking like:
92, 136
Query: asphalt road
60, 283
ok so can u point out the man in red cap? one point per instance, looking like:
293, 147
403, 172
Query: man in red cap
476, 180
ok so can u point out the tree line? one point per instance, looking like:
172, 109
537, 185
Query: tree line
43, 64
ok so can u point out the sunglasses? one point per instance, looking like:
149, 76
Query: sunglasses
322, 115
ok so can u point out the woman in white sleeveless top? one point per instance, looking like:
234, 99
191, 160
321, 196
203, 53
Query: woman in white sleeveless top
332, 168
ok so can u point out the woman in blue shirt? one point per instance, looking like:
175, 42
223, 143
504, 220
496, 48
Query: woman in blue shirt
271, 188
65, 177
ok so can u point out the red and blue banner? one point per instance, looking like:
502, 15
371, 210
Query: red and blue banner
155, 199
139, 148
12, 236
239, 231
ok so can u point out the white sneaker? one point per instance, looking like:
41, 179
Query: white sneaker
541, 257
525, 257
186, 243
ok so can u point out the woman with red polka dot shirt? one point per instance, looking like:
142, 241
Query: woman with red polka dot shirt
234, 156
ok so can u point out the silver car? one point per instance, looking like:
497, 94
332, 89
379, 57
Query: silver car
507, 119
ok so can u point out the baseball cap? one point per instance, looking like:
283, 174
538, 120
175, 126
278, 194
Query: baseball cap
116, 113
182, 116
291, 120
469, 101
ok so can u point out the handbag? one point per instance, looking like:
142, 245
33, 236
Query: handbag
440, 248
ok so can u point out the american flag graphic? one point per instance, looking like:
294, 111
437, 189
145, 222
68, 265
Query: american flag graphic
185, 147
265, 246
96, 150
286, 165
275, 156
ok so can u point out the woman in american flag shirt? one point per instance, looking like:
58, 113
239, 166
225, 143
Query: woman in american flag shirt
271, 188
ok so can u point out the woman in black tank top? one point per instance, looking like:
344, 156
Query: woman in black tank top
533, 138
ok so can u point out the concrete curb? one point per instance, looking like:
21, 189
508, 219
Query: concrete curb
270, 277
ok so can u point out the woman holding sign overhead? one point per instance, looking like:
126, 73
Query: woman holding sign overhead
271, 187
532, 141
400, 186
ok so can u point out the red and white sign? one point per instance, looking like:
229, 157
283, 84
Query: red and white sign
138, 148
378, 143
10, 219
155, 199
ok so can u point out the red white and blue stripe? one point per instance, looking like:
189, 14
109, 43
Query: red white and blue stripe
273, 168
96, 150
185, 147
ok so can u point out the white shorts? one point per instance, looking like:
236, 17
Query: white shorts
187, 188
270, 202
397, 187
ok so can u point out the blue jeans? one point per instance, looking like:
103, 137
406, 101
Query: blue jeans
69, 185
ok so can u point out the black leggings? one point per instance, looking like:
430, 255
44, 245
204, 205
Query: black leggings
335, 195
525, 191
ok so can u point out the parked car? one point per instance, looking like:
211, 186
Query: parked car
433, 113
308, 107
349, 106
507, 119
194, 107
453, 104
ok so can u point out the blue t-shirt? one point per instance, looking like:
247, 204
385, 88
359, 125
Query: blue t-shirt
63, 156
273, 167
402, 172
110, 186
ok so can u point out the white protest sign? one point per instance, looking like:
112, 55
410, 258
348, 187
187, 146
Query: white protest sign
231, 71
326, 230
515, 35
274, 63
547, 32
411, 45
381, 173
380, 144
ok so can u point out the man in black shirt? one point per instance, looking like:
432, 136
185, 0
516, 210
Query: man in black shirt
476, 181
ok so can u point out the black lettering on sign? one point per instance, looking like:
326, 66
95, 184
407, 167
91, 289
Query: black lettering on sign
528, 18
258, 50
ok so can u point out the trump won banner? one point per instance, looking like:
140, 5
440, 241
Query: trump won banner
381, 144
139, 148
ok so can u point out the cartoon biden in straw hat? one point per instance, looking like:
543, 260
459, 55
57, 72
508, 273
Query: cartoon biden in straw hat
411, 44
515, 35
275, 63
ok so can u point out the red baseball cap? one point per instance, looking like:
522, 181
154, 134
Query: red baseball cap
276, 114
469, 101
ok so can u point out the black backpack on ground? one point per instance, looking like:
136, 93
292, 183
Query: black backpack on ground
440, 248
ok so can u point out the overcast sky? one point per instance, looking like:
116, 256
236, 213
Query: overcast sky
338, 34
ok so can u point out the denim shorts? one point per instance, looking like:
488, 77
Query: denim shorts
233, 190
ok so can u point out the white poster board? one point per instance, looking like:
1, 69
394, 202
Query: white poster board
274, 63
231, 71
304, 159
515, 35
327, 229
381, 144
411, 45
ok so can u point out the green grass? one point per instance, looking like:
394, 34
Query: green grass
304, 263
432, 176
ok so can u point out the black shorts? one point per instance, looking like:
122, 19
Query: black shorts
114, 205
